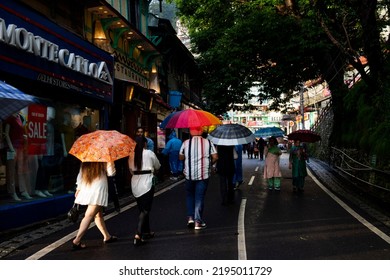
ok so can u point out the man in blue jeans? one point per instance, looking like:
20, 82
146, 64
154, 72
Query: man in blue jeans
199, 154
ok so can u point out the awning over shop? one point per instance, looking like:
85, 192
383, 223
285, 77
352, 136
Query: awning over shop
13, 100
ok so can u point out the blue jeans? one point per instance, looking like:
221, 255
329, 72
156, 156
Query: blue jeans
196, 191
175, 164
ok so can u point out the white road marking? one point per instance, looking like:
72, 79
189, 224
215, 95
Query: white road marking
366, 223
241, 231
251, 181
67, 238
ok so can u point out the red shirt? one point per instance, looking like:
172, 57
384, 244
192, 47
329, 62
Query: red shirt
16, 131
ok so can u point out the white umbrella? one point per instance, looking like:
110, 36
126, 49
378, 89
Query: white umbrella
231, 135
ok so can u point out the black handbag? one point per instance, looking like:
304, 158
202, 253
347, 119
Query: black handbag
74, 213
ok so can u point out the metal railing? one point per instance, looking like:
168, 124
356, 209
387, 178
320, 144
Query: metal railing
324, 112
361, 172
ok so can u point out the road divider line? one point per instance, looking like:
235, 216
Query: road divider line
241, 245
251, 181
366, 223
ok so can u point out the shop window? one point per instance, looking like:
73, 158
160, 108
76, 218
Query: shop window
39, 163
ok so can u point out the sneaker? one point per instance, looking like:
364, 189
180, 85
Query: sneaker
190, 223
200, 225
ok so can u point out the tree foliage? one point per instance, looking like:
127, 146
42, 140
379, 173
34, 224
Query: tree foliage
279, 44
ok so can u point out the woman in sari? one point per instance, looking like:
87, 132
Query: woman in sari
297, 164
272, 171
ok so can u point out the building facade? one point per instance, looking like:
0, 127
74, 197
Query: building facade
88, 65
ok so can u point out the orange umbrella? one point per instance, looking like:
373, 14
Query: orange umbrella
102, 146
192, 118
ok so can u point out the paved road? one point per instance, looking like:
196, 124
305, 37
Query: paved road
261, 225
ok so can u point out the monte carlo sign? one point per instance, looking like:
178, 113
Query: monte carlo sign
34, 47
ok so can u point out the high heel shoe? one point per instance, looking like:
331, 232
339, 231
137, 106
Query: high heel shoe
138, 241
112, 239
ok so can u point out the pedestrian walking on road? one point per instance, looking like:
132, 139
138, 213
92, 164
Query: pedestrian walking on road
226, 168
143, 163
261, 144
172, 150
92, 190
297, 164
237, 178
272, 171
199, 154
141, 132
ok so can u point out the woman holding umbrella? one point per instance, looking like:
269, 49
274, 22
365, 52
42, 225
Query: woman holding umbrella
297, 163
92, 190
97, 151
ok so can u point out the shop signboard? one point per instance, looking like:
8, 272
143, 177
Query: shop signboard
36, 129
33, 47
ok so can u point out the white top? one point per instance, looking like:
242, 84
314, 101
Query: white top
141, 184
95, 193
197, 162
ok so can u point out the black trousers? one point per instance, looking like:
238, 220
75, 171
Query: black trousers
113, 192
226, 188
144, 203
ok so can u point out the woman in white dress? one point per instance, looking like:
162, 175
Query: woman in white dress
142, 164
92, 190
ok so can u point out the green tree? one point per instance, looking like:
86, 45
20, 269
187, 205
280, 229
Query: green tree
281, 43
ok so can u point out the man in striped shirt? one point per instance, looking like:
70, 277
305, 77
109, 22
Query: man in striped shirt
199, 154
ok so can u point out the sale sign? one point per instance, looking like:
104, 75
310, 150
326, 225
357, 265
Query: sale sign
36, 129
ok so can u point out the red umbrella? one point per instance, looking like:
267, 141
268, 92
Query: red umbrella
192, 118
304, 135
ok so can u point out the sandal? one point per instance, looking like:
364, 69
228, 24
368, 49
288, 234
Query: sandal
112, 239
79, 246
138, 241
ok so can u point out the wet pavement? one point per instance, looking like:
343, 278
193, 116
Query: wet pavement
320, 170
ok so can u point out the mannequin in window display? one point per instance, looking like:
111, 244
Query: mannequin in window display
83, 127
71, 164
31, 161
50, 161
67, 134
17, 167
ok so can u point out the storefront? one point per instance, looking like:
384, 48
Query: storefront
133, 105
73, 81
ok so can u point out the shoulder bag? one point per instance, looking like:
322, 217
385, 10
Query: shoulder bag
74, 213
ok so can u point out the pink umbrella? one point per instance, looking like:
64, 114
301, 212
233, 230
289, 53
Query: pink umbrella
192, 118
